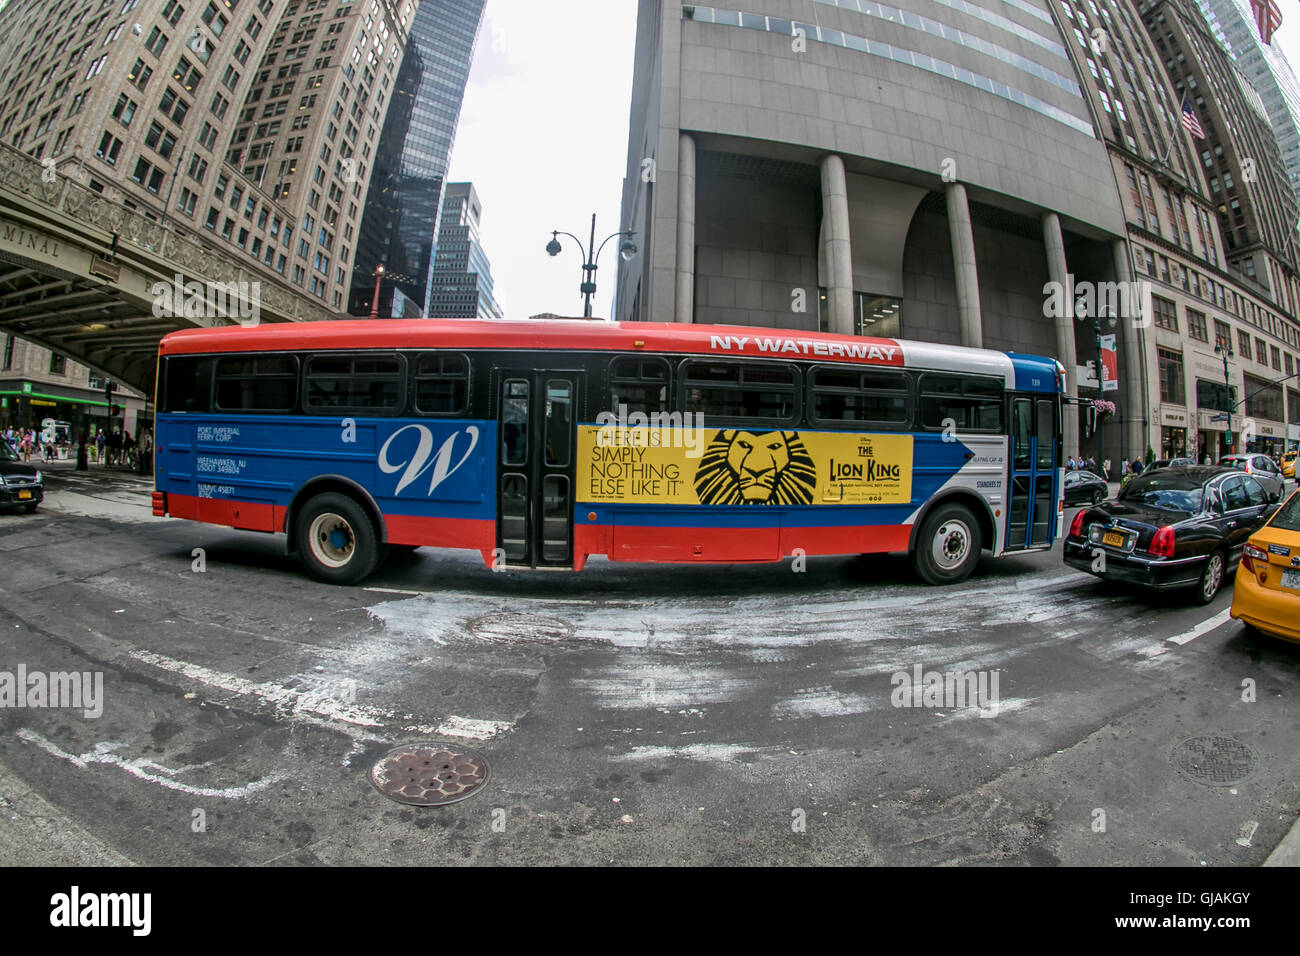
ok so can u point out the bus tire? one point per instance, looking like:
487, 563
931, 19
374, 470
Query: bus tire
947, 545
336, 539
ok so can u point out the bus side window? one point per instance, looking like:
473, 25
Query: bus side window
967, 402
441, 383
877, 397
257, 383
638, 382
187, 384
373, 383
760, 392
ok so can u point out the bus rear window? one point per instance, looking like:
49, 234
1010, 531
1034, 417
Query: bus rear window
257, 383
850, 395
729, 390
441, 383
366, 383
965, 402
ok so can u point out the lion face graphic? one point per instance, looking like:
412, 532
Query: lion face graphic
756, 468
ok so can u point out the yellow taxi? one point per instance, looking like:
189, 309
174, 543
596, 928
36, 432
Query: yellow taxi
1266, 594
1288, 463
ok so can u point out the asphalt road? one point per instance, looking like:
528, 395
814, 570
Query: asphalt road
629, 714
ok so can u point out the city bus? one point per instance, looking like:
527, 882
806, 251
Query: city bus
541, 443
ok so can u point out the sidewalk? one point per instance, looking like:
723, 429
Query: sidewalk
116, 492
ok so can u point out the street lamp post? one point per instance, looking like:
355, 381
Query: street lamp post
627, 248
1101, 394
1225, 352
379, 277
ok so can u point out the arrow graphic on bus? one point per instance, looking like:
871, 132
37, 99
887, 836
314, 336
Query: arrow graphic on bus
421, 461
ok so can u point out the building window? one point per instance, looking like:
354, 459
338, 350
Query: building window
1172, 387
1222, 335
1166, 313
1196, 327
58, 364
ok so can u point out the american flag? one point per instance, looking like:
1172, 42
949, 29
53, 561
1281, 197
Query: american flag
1268, 17
1190, 122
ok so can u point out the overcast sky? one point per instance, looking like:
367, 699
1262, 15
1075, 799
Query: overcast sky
543, 137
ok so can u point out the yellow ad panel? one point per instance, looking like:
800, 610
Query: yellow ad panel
735, 466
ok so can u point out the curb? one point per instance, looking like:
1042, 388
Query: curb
1287, 852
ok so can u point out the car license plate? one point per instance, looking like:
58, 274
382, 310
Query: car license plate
24, 494
1291, 579
1113, 538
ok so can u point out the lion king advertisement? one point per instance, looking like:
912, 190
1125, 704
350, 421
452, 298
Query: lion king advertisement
741, 466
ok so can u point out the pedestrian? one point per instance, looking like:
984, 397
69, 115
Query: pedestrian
144, 451
81, 452
1105, 470
100, 441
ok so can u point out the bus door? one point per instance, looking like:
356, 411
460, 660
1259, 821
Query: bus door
537, 414
1035, 450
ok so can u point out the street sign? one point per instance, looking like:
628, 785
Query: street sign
1221, 417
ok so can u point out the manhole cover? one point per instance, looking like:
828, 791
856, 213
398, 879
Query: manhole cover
429, 774
1214, 760
508, 628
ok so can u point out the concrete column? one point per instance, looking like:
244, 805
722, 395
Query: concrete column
838, 250
965, 272
1132, 361
1058, 271
684, 310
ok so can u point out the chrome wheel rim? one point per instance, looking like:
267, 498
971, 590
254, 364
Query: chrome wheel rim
951, 545
331, 540
1213, 576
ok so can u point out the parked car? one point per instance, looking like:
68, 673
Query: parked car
1171, 463
1261, 467
1288, 464
21, 485
1266, 594
1171, 528
1084, 486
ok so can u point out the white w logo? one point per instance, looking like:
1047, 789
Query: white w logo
422, 460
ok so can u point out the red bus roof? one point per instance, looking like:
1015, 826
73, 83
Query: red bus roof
572, 335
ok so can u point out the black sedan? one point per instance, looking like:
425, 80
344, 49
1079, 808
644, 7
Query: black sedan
1171, 528
1081, 486
20, 484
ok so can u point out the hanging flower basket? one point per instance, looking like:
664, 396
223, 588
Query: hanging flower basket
1103, 407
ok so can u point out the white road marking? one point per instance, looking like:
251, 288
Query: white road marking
399, 591
1201, 629
312, 703
708, 752
147, 770
1179, 640
471, 729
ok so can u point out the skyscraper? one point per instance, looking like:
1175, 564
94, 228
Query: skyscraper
461, 280
403, 203
1268, 72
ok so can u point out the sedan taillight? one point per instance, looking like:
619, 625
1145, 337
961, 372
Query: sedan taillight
1162, 544
1076, 526
1252, 554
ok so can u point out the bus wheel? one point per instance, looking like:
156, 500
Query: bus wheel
336, 539
947, 546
